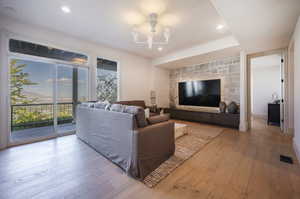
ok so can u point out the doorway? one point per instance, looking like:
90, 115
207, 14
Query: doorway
266, 91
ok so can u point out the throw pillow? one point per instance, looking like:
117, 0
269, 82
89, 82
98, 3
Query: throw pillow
117, 107
158, 119
101, 105
147, 113
139, 114
87, 104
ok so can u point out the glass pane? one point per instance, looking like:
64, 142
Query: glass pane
72, 88
107, 80
31, 96
65, 119
83, 87
28, 48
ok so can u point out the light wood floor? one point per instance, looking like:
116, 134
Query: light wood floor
234, 165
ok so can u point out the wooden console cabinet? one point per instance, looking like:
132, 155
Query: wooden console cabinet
222, 119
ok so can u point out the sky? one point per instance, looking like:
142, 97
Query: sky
43, 75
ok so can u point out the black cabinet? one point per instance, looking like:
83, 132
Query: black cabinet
274, 114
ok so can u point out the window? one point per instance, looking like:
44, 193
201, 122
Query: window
107, 80
28, 48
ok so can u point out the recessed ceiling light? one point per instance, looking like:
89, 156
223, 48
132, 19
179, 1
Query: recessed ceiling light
220, 27
66, 9
160, 48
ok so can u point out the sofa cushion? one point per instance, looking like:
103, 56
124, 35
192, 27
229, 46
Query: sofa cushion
158, 119
102, 105
117, 107
88, 104
139, 114
153, 114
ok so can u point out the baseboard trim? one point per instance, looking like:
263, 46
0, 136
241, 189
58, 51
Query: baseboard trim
243, 126
291, 131
258, 116
297, 150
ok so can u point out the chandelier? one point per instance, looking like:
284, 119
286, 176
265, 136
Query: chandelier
150, 42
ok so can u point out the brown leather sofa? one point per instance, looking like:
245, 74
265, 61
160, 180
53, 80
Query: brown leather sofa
153, 111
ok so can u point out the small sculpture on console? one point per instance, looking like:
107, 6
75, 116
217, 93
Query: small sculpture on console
222, 107
233, 108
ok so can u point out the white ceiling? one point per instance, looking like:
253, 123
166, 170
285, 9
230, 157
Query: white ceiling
110, 22
260, 25
203, 58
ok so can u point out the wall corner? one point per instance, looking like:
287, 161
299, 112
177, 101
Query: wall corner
243, 92
296, 150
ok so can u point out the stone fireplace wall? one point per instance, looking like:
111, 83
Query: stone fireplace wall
227, 69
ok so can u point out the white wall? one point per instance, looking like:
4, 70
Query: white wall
137, 75
296, 40
265, 80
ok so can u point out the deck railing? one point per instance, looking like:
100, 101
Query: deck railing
25, 116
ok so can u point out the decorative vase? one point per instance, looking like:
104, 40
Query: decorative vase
232, 108
222, 107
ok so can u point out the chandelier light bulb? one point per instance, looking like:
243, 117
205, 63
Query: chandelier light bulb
135, 34
167, 34
150, 42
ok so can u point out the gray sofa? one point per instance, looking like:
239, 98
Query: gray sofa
116, 135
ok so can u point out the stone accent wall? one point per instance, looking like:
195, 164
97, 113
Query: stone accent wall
227, 69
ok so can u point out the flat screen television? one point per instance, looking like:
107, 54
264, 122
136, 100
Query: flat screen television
200, 93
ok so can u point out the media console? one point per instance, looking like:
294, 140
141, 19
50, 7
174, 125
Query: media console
222, 119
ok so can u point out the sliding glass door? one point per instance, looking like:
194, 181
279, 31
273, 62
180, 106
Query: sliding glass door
44, 97
32, 86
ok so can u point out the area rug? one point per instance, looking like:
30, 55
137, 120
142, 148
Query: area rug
186, 146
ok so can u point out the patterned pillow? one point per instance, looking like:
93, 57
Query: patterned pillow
102, 105
139, 114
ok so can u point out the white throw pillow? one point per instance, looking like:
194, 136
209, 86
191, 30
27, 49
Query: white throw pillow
147, 113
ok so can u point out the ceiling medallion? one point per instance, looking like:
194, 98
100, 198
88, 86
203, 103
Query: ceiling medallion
150, 42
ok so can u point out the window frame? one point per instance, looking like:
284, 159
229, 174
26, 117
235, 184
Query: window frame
49, 46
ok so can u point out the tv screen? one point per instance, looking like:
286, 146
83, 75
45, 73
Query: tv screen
200, 93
